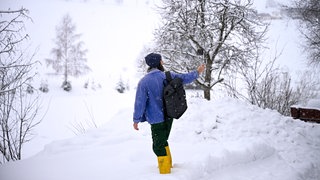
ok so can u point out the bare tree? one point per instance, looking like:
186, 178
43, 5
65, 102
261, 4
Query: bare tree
68, 55
268, 87
223, 34
308, 12
18, 109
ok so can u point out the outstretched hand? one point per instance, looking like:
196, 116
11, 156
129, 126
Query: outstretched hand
201, 68
135, 126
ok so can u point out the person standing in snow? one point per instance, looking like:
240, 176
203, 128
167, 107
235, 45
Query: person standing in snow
149, 107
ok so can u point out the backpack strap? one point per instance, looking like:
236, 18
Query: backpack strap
168, 76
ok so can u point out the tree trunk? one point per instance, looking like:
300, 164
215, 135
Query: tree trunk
207, 78
207, 94
65, 76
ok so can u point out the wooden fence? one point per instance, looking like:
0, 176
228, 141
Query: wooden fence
306, 114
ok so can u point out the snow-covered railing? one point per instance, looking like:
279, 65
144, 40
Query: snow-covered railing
306, 113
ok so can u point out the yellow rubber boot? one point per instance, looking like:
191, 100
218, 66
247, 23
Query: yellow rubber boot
169, 154
164, 165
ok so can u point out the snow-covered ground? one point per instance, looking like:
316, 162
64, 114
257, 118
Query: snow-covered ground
222, 139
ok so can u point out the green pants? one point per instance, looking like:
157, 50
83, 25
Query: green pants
160, 135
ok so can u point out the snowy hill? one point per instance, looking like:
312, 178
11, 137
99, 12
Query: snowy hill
222, 139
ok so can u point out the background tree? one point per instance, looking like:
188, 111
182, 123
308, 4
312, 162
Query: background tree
18, 109
308, 12
223, 34
270, 87
68, 55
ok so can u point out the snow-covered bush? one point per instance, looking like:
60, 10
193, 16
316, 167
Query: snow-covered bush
30, 89
66, 85
121, 86
44, 87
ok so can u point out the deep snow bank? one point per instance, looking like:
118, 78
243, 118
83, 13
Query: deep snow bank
221, 139
248, 134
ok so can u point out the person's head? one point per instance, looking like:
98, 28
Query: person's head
154, 60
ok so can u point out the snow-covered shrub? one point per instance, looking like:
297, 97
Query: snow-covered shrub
66, 85
121, 87
86, 84
44, 87
93, 85
30, 89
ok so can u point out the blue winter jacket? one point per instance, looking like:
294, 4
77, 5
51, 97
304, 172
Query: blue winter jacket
149, 96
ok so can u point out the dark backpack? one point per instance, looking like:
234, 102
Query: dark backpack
174, 97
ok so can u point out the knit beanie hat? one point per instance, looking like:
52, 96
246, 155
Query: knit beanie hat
153, 60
